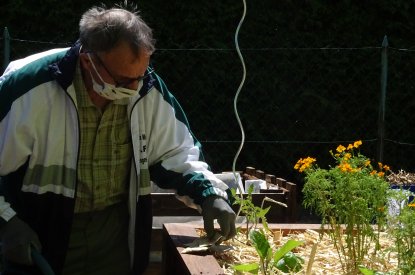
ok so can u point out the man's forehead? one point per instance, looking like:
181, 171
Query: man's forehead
125, 55
125, 65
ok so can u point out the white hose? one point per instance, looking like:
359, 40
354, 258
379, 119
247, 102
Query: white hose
236, 100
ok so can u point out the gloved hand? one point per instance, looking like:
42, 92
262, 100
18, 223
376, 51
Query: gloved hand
215, 207
17, 238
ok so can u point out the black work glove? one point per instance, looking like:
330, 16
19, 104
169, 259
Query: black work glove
215, 207
17, 238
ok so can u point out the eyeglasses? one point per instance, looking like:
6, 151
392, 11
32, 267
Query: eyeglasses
127, 83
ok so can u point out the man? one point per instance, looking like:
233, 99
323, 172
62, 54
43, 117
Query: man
83, 131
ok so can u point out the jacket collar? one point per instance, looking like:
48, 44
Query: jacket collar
64, 70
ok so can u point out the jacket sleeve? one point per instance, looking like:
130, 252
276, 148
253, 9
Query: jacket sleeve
175, 157
14, 135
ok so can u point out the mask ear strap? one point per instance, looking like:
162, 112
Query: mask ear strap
93, 66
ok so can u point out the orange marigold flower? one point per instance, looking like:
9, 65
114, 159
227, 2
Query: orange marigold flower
347, 156
310, 159
345, 167
340, 148
350, 146
356, 144
373, 172
411, 204
367, 162
381, 174
303, 164
386, 167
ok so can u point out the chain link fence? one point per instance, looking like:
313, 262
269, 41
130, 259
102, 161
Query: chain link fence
295, 102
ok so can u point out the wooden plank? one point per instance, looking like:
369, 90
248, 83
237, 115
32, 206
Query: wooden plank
292, 201
175, 236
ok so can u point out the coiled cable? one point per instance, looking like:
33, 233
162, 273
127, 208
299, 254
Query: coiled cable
235, 101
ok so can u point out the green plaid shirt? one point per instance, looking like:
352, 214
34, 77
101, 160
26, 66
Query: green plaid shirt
105, 151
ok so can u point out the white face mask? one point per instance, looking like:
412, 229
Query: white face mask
110, 91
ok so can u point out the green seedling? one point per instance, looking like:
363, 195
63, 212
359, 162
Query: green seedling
281, 260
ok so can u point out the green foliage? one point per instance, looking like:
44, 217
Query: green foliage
350, 197
282, 259
251, 268
366, 271
260, 242
402, 228
285, 249
290, 263
252, 213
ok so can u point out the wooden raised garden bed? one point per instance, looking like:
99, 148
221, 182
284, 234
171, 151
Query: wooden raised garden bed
176, 236
166, 205
324, 259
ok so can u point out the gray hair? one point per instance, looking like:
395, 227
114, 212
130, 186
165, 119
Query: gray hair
101, 29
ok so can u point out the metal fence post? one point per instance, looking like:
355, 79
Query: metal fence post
383, 82
6, 48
